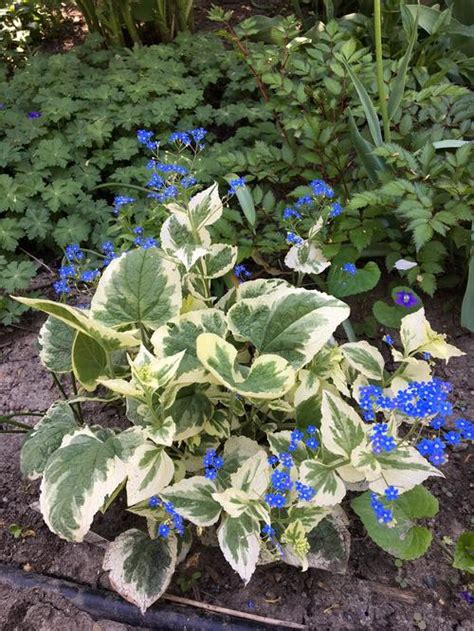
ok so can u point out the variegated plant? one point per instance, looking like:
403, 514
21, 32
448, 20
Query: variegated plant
243, 413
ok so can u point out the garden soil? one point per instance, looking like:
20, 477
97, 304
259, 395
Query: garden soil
373, 594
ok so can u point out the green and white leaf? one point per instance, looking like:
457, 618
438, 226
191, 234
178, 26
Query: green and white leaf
107, 337
80, 475
270, 376
181, 333
280, 441
239, 540
55, 341
89, 361
417, 336
219, 260
403, 538
190, 411
233, 501
342, 429
205, 208
323, 478
403, 468
140, 568
364, 358
153, 373
253, 477
140, 288
193, 499
122, 387
292, 323
178, 240
308, 514
149, 471
237, 449
306, 258
45, 438
261, 287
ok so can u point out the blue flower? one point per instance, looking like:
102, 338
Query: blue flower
391, 493
289, 212
163, 530
138, 230
236, 183
154, 502
88, 276
297, 435
144, 137
305, 493
198, 136
306, 200
426, 356
268, 531
33, 115
188, 181
281, 481
320, 188
384, 515
181, 137
312, 442
272, 460
210, 473
336, 210
61, 287
121, 200
275, 500
350, 268
388, 339
286, 460
172, 168
405, 299
74, 253
67, 271
381, 441
155, 181
242, 272
212, 464
311, 429
293, 239
148, 243
452, 438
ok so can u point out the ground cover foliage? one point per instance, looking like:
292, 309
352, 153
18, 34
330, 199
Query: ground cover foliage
213, 219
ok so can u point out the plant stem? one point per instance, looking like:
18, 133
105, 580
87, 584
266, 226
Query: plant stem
77, 405
379, 68
349, 331
110, 366
7, 421
59, 385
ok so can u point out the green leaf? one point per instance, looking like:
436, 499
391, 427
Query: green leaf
55, 341
127, 292
323, 478
365, 150
467, 309
397, 88
89, 361
342, 429
270, 376
239, 540
364, 358
204, 208
80, 475
179, 240
291, 323
190, 411
341, 283
45, 438
219, 260
367, 105
140, 568
193, 500
464, 553
245, 199
108, 338
150, 470
253, 476
306, 258
404, 540
17, 275
181, 333
71, 229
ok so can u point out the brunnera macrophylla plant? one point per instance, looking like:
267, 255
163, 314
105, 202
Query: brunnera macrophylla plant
247, 422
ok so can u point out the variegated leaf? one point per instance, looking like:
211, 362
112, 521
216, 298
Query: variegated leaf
193, 500
149, 470
364, 358
80, 475
342, 429
219, 260
418, 337
403, 468
181, 333
151, 372
107, 337
178, 240
239, 540
270, 376
260, 287
45, 438
205, 208
128, 291
89, 361
323, 478
190, 411
233, 501
253, 477
292, 323
55, 341
141, 568
306, 258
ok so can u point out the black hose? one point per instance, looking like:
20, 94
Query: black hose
101, 603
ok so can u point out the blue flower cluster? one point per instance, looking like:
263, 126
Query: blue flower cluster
290, 213
119, 201
236, 183
309, 439
381, 440
433, 450
293, 239
269, 532
350, 268
383, 514
144, 137
108, 249
187, 138
174, 523
242, 272
212, 463
321, 189
336, 210
72, 271
420, 399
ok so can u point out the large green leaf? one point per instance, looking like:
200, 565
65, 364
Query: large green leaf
139, 288
80, 475
193, 500
365, 150
342, 429
55, 340
253, 477
292, 323
150, 470
270, 376
45, 438
367, 105
464, 552
140, 568
239, 540
107, 337
403, 539
89, 361
181, 333
342, 283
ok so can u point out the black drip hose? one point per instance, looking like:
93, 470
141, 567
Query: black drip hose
101, 603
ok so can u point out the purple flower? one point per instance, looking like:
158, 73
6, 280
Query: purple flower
405, 299
33, 115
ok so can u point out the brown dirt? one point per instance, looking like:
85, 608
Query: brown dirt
373, 594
